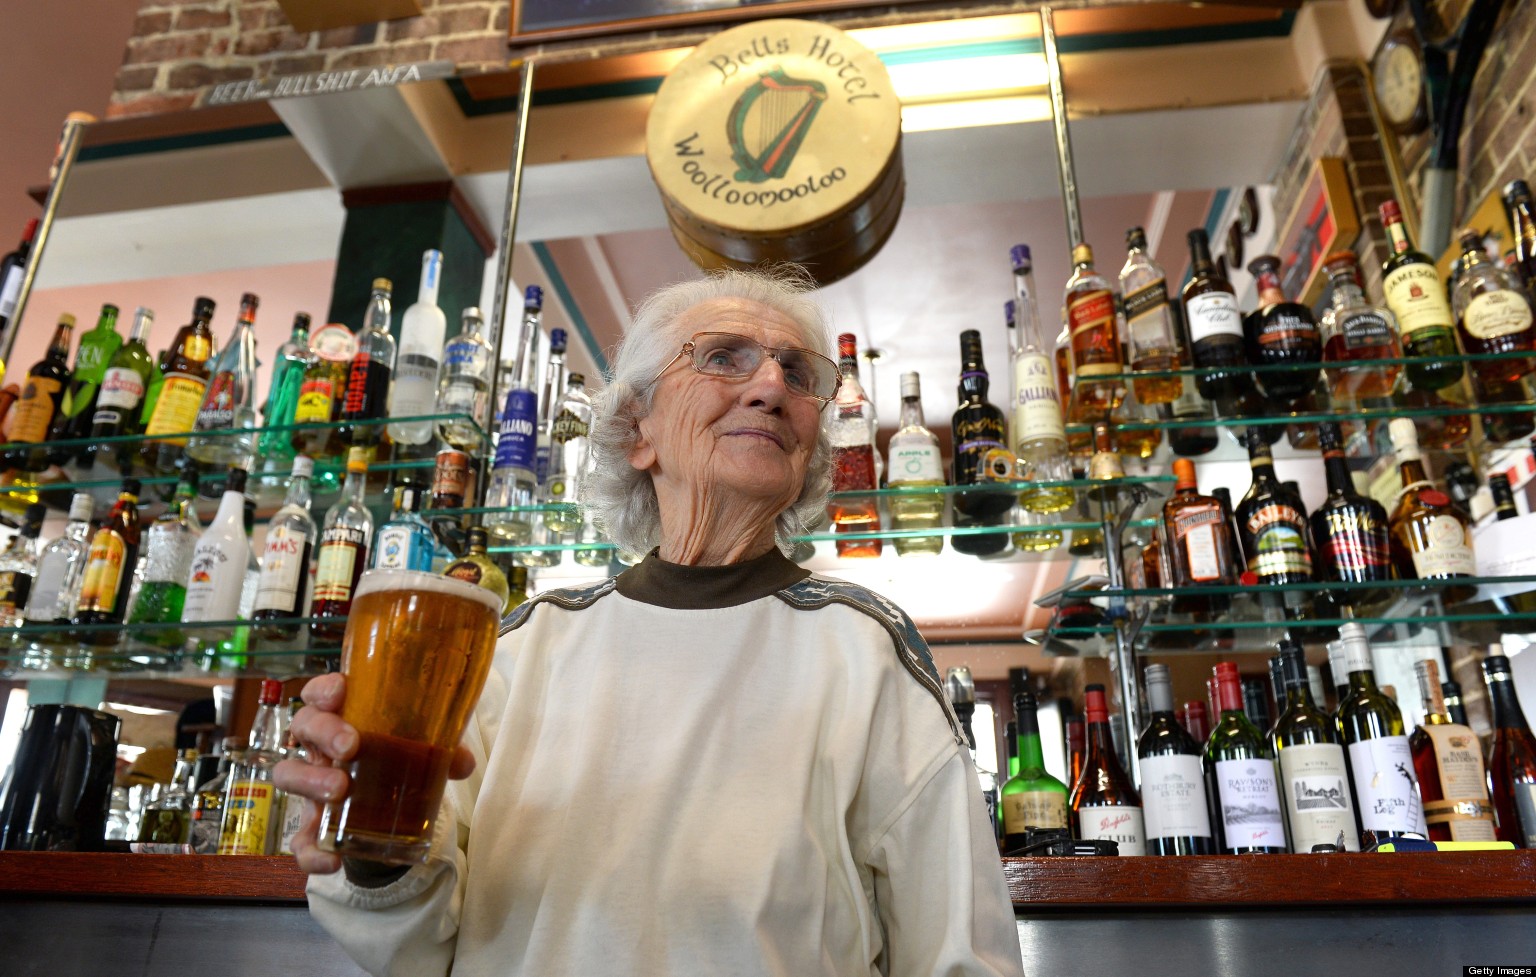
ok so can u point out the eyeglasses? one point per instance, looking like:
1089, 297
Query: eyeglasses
724, 354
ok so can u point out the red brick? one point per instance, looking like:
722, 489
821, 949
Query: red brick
340, 37
260, 42
185, 76
197, 18
173, 47
501, 18
156, 23
149, 105
380, 55
454, 20
301, 64
137, 79
491, 49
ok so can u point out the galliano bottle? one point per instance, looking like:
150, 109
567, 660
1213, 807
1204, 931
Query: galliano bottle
1314, 781
1380, 760
1104, 803
1173, 801
422, 330
915, 465
1240, 776
1039, 435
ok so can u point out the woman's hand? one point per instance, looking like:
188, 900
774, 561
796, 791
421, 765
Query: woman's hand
331, 744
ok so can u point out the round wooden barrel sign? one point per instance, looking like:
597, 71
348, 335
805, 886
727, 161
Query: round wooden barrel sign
779, 140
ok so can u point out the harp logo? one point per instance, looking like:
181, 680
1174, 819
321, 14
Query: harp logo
769, 122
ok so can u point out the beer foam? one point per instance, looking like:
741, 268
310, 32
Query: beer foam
417, 580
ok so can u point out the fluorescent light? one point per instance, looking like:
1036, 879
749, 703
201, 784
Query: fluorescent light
996, 74
138, 710
975, 112
130, 753
957, 31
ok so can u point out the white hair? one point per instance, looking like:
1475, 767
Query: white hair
621, 497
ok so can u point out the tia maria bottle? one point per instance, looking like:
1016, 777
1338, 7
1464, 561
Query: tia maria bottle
1240, 776
1178, 820
981, 455
1104, 804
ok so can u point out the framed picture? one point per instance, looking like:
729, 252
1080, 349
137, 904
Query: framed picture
537, 21
1323, 220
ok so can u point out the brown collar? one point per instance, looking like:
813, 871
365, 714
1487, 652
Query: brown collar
696, 588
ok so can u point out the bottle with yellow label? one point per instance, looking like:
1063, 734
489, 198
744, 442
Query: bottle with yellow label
1448, 764
31, 416
252, 803
1032, 798
109, 564
184, 382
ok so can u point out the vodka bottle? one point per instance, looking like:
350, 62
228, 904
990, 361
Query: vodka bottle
544, 530
1039, 437
568, 455
513, 473
422, 329
229, 403
61, 567
464, 384
916, 464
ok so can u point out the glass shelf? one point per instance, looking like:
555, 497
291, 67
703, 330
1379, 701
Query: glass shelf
1203, 371
205, 649
1076, 484
951, 531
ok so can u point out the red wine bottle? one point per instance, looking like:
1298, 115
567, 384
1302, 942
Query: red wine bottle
1178, 821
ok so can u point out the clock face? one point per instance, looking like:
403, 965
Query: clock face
1399, 84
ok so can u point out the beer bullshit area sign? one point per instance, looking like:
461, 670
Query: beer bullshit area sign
779, 140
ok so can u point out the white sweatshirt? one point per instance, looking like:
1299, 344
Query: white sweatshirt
700, 771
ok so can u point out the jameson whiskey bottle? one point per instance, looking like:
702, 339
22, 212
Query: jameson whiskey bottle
172, 407
1032, 798
1418, 300
1448, 760
1431, 535
980, 455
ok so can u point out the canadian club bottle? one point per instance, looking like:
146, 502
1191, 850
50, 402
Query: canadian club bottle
1431, 536
851, 430
109, 567
1240, 776
1314, 781
981, 456
1449, 762
1281, 333
1418, 300
1350, 540
1178, 819
1031, 798
1272, 524
1511, 758
41, 397
1104, 803
1215, 325
172, 407
1380, 760
1197, 541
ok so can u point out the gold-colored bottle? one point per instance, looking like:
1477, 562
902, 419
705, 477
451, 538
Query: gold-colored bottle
477, 568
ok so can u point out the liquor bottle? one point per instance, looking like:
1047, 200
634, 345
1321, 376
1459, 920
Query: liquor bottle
41, 397
1418, 300
1104, 467
1281, 333
423, 328
1357, 334
219, 560
368, 377
1511, 757
1039, 436
1431, 535
979, 432
252, 814
1240, 776
323, 391
1350, 538
61, 567
1256, 702
1032, 798
18, 567
1522, 221
405, 541
1448, 760
1104, 804
1272, 525
172, 407
232, 649
78, 408
287, 573
1493, 315
343, 553
962, 696
228, 411
1093, 342
1077, 748
476, 567
1215, 324
569, 451
113, 554
13, 269
1197, 543
542, 531
1197, 721
275, 447
1195, 434
167, 819
514, 477
851, 427
1178, 818
1450, 691
294, 807
1380, 760
1314, 781
208, 799
464, 379
1152, 335
121, 395
916, 467
168, 547
1011, 747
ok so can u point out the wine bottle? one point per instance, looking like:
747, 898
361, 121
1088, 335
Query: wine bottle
1104, 804
1511, 757
1418, 300
1178, 818
1380, 760
1032, 798
1431, 535
1077, 749
1314, 781
13, 269
851, 428
1240, 777
1449, 763
1281, 333
1215, 325
981, 457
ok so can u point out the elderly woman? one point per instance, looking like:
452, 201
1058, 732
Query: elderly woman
713, 763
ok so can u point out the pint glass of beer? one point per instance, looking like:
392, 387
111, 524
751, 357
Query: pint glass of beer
415, 656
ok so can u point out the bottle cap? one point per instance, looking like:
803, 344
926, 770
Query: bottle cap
383, 285
131, 487
1293, 666
1136, 239
910, 387
1472, 241
235, 480
1082, 254
1199, 240
472, 313
66, 319
202, 307
1516, 190
357, 459
1496, 668
557, 340
1391, 213
32, 520
478, 539
250, 299
301, 321
108, 311
1184, 471
271, 691
1019, 256
533, 297
1264, 263
1405, 437
1159, 688
81, 507
303, 466
1330, 437
1095, 708
575, 380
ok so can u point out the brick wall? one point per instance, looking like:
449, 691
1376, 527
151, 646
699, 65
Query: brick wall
178, 50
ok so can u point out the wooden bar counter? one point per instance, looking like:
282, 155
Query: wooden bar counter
1406, 914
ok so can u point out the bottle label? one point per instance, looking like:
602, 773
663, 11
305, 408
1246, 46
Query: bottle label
541, 458
1147, 301
293, 820
1366, 330
316, 399
1279, 541
335, 342
197, 348
1212, 314
44, 605
33, 411
10, 291
1195, 530
566, 426
1316, 793
1284, 329
1173, 797
15, 587
367, 388
181, 396
1120, 823
517, 437
281, 587
1494, 314
1034, 809
1463, 784
1036, 405
1250, 803
1091, 319
466, 570
1356, 542
461, 356
918, 462
213, 587
248, 811
402, 548
415, 385
1417, 298
341, 550
218, 407
1385, 785
122, 388
103, 572
1445, 552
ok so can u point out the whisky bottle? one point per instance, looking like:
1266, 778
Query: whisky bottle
109, 563
1152, 335
1039, 436
915, 465
1418, 300
1240, 776
1215, 325
343, 552
1431, 535
1314, 780
41, 397
1380, 759
1178, 819
323, 391
1511, 757
1448, 760
1351, 542
1104, 803
980, 455
851, 429
1493, 315
1197, 544
1281, 333
1357, 334
1088, 310
1031, 798
1522, 221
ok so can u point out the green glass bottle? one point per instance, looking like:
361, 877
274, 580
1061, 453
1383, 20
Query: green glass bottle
275, 450
121, 395
1417, 298
1240, 780
1032, 798
78, 409
1314, 779
1380, 759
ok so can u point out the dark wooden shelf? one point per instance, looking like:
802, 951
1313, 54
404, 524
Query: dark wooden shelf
1254, 881
204, 878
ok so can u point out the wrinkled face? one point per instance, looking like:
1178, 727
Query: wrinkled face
730, 440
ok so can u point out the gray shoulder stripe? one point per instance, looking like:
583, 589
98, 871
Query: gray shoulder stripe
570, 598
911, 649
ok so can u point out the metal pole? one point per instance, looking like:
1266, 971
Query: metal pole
1064, 167
69, 148
509, 224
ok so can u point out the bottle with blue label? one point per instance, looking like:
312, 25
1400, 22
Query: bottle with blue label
514, 472
405, 542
